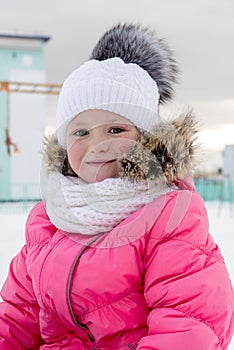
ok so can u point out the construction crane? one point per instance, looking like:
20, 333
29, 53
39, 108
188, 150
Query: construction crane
30, 88
23, 87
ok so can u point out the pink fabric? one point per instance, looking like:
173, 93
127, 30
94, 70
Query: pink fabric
168, 289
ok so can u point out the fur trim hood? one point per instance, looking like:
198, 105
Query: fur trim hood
164, 156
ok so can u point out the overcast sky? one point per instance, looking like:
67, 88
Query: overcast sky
201, 33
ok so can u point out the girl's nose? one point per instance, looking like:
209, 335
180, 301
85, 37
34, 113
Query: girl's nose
99, 143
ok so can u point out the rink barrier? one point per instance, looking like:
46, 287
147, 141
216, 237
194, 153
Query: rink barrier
24, 197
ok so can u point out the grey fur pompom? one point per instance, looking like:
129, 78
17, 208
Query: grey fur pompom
135, 44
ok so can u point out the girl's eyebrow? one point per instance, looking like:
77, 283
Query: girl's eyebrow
113, 121
80, 124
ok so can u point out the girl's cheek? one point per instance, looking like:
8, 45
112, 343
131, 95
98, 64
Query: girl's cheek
74, 152
125, 145
71, 141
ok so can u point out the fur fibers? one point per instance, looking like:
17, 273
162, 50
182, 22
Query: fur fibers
163, 156
135, 44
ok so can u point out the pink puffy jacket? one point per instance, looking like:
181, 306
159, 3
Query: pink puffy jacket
166, 289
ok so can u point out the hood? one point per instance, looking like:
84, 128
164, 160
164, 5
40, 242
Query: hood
165, 155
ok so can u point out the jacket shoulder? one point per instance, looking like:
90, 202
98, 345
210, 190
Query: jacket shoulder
184, 214
39, 228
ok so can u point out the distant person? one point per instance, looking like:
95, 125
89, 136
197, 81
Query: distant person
119, 255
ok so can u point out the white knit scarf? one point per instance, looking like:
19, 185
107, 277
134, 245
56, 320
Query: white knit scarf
75, 206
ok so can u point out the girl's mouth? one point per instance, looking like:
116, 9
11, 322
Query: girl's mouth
101, 162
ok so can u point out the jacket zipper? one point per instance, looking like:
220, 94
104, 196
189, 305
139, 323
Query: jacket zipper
79, 324
131, 347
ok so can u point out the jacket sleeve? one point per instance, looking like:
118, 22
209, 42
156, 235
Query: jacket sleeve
187, 287
19, 311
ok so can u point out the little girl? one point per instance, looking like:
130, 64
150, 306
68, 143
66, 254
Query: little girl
119, 255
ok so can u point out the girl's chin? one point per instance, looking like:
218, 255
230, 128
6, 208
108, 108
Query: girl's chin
96, 179
98, 175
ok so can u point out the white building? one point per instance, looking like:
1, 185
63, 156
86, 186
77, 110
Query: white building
22, 116
228, 161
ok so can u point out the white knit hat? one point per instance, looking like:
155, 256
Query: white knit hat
113, 85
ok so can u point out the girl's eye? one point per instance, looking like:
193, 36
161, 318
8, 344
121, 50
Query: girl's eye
82, 132
116, 130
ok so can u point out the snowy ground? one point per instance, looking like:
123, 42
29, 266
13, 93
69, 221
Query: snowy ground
12, 221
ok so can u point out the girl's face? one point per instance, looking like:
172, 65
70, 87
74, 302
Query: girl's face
96, 142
